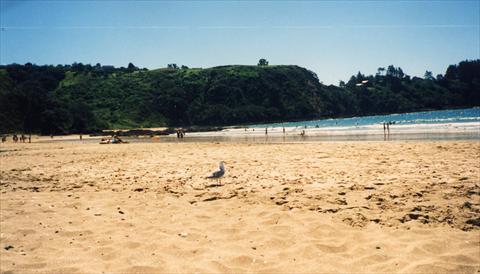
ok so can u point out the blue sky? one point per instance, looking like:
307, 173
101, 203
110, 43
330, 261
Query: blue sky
335, 39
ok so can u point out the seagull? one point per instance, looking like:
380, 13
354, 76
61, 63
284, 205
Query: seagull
219, 173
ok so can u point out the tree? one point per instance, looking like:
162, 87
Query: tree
172, 66
395, 72
78, 67
391, 71
360, 77
428, 75
263, 62
131, 67
380, 71
400, 73
452, 72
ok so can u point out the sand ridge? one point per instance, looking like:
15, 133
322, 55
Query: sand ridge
302, 207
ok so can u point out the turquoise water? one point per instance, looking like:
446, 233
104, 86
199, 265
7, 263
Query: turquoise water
424, 117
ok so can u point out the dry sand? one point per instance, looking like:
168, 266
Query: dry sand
299, 207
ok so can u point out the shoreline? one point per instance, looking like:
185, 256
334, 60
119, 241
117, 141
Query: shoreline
419, 132
449, 131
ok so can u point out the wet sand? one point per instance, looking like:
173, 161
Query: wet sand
401, 206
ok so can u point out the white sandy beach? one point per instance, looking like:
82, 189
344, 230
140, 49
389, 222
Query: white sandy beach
283, 208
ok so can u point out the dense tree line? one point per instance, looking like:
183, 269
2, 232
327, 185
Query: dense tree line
86, 98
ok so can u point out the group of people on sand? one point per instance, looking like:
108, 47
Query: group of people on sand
16, 139
180, 133
302, 133
386, 127
115, 139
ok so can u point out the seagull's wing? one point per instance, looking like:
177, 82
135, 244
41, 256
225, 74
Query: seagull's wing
217, 174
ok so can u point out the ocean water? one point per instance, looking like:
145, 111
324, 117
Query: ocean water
413, 118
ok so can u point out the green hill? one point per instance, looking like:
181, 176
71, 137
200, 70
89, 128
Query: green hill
215, 96
85, 98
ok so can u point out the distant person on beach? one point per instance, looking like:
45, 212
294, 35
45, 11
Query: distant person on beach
384, 131
4, 138
180, 133
81, 137
116, 140
29, 138
302, 133
15, 138
388, 128
266, 131
283, 130
23, 138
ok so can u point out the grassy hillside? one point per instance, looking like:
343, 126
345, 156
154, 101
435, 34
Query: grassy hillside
220, 95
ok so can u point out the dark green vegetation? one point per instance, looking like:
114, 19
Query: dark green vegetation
85, 98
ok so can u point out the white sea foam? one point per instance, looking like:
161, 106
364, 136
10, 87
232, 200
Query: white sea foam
472, 128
